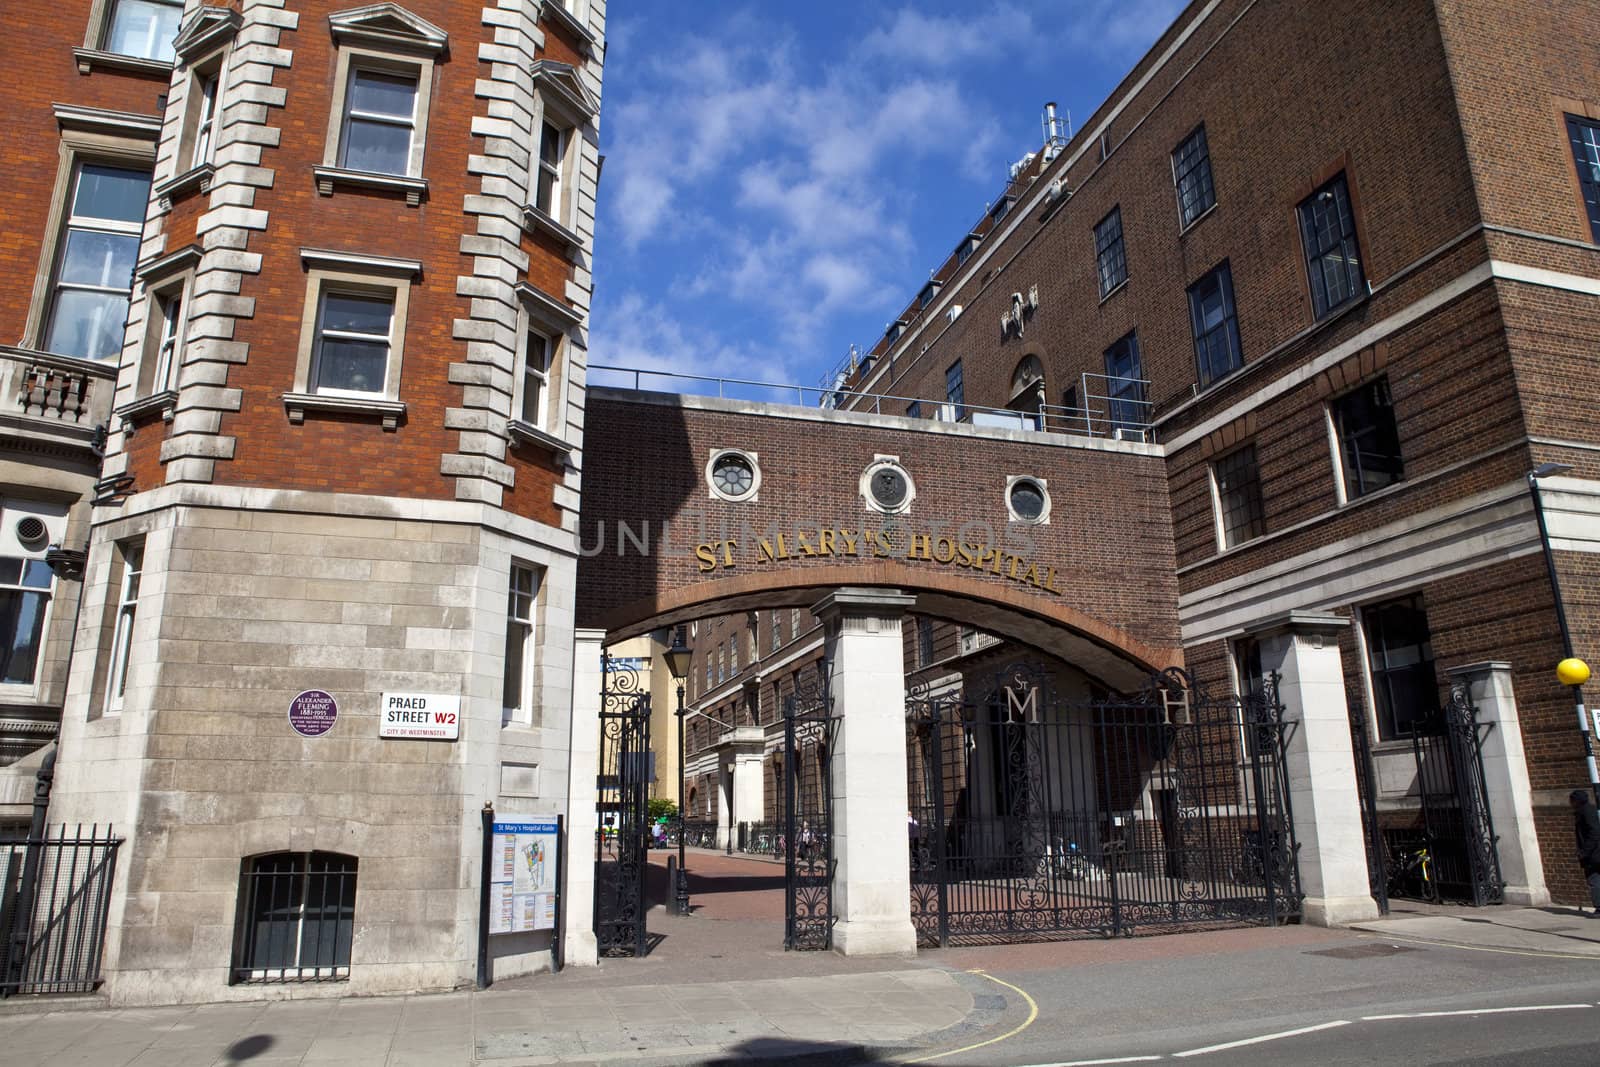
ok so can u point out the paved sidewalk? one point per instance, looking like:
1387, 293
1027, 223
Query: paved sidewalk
1560, 930
836, 1017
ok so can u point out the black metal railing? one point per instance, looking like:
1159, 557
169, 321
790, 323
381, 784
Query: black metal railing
54, 897
1034, 817
296, 919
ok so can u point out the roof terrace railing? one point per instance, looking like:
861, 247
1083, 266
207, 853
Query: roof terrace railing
1121, 413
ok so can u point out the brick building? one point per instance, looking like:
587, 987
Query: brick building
1351, 320
1254, 366
313, 277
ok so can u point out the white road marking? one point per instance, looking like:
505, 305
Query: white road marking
1468, 1011
1259, 1040
1097, 1063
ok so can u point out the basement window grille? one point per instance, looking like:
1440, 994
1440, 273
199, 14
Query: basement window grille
296, 918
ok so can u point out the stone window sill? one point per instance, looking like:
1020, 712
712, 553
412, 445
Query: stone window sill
89, 58
329, 177
390, 411
195, 179
165, 402
525, 433
534, 219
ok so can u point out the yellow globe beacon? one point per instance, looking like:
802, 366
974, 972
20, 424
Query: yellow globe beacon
1572, 671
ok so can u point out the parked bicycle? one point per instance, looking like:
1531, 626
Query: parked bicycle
1411, 875
1064, 859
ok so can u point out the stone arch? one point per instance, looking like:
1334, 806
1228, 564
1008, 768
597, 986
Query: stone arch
1027, 390
1104, 651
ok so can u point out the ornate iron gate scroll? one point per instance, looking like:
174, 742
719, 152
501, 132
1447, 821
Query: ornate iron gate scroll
1445, 809
622, 793
1033, 817
809, 735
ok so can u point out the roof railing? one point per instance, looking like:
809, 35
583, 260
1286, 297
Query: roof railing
1120, 416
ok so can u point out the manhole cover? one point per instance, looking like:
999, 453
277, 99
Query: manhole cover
1362, 952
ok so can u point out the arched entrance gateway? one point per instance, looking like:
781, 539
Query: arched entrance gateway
1088, 787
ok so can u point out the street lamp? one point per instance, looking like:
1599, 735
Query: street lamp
1571, 671
677, 658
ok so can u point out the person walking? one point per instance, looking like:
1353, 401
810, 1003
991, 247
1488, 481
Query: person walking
1586, 823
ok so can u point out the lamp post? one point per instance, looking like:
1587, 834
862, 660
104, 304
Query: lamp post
1571, 671
677, 658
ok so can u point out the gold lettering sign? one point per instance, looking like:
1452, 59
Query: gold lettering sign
877, 544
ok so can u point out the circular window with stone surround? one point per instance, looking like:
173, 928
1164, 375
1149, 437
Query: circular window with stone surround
1027, 499
733, 474
886, 486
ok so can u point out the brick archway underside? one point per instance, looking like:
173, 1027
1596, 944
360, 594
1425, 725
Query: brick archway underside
1101, 650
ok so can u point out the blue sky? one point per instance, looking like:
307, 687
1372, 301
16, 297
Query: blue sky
780, 178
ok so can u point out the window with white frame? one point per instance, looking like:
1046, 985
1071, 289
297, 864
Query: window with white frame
380, 121
733, 657
1236, 480
533, 404
168, 326
777, 631
547, 186
205, 117
354, 333
143, 29
25, 586
565, 109
132, 555
93, 271
378, 110
521, 600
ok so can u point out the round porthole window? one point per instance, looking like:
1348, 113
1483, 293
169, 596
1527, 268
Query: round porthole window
31, 531
733, 475
886, 487
1027, 499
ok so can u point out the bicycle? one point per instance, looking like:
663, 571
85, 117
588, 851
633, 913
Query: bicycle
1411, 875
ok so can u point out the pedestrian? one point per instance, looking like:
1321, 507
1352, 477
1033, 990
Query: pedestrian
1586, 822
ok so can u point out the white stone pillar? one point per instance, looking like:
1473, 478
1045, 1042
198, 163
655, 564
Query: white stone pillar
724, 802
1505, 777
872, 876
583, 769
749, 777
1303, 648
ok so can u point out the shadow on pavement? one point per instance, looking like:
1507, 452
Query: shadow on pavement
791, 1051
248, 1048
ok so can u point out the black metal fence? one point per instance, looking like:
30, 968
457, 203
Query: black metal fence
296, 918
622, 787
54, 896
1033, 817
810, 737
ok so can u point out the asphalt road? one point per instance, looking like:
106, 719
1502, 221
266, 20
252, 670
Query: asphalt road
1343, 998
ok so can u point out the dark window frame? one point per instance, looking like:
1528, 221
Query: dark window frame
955, 389
1583, 137
1222, 336
1370, 456
1126, 398
1241, 516
1331, 242
1110, 255
1192, 180
271, 932
1397, 685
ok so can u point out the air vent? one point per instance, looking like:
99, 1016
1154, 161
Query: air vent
32, 532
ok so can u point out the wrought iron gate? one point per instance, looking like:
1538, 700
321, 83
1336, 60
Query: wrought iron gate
622, 794
54, 895
1444, 811
1367, 795
1033, 817
810, 732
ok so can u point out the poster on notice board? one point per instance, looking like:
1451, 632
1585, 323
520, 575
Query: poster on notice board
522, 876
